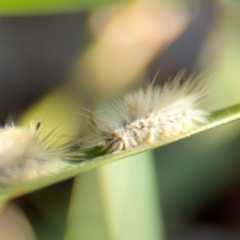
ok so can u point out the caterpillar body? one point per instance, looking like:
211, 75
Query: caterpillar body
146, 115
24, 155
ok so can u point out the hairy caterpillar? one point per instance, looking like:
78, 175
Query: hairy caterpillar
147, 115
24, 155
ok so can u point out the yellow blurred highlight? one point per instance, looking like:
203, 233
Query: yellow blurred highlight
55, 110
129, 40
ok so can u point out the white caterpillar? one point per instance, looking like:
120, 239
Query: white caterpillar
147, 115
24, 155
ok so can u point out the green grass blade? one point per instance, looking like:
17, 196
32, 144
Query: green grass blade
111, 199
216, 119
32, 7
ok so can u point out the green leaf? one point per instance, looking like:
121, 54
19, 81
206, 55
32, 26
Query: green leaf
26, 7
101, 195
217, 118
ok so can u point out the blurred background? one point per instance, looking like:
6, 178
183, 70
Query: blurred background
58, 58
